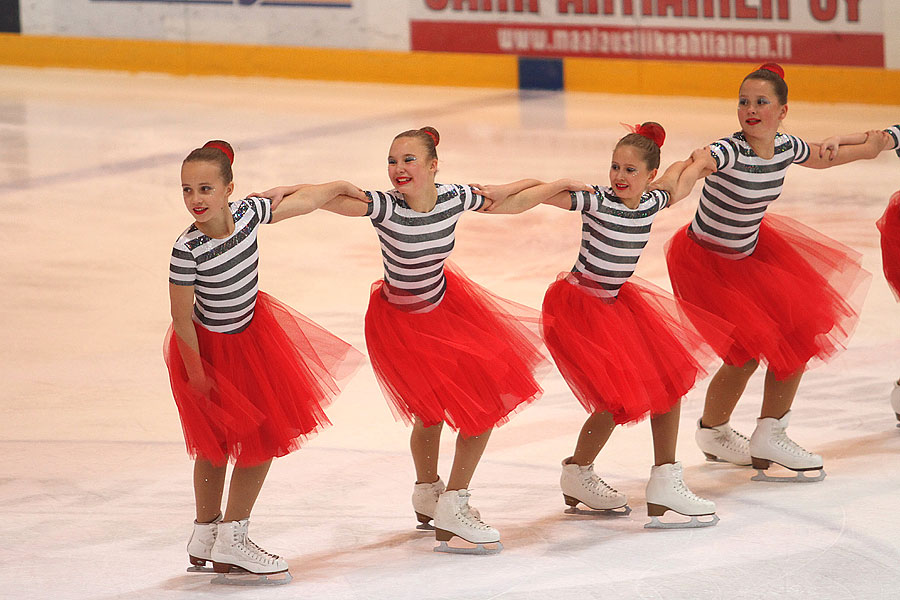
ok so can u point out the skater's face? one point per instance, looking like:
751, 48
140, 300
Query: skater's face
629, 174
410, 169
759, 110
205, 191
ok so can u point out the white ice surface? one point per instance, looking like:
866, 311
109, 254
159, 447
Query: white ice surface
95, 492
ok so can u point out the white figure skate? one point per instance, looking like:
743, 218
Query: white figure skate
454, 517
234, 553
770, 444
424, 501
666, 491
200, 545
581, 484
895, 399
723, 444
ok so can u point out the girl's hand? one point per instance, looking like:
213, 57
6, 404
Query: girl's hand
879, 139
276, 194
493, 195
201, 384
700, 154
348, 189
829, 148
575, 185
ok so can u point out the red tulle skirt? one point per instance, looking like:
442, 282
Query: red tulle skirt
889, 225
632, 357
471, 361
794, 301
269, 385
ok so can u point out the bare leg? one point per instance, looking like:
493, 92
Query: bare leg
209, 484
594, 434
425, 444
724, 391
244, 489
468, 453
665, 435
779, 395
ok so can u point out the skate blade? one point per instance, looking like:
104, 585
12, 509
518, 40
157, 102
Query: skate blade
694, 523
425, 527
798, 477
621, 511
715, 459
199, 569
479, 549
245, 578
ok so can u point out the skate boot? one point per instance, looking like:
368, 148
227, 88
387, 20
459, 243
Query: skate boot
723, 444
235, 553
454, 517
424, 500
200, 546
580, 484
895, 401
666, 491
770, 444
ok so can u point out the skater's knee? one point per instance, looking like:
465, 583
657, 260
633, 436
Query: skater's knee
746, 370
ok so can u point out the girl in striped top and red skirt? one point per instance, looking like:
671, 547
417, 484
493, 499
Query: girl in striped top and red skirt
250, 376
627, 349
443, 348
792, 294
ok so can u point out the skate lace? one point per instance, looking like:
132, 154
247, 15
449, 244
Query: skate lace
258, 553
733, 440
472, 519
682, 489
786, 443
595, 484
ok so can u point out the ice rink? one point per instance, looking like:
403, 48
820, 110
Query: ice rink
95, 492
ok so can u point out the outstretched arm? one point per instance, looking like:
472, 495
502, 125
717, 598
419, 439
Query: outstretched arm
348, 206
851, 147
555, 193
495, 195
680, 178
307, 198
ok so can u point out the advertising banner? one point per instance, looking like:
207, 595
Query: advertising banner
812, 32
308, 23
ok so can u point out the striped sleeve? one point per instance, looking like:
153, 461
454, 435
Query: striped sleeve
585, 201
182, 265
894, 131
471, 199
801, 149
662, 198
262, 207
379, 209
724, 153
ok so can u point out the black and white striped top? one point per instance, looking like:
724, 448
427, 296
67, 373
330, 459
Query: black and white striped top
415, 245
735, 197
223, 271
894, 130
612, 237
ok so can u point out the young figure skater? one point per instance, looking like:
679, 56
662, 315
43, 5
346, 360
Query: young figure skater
625, 347
789, 291
249, 375
443, 348
888, 225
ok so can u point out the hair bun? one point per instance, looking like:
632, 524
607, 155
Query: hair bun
773, 67
432, 133
224, 147
653, 131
